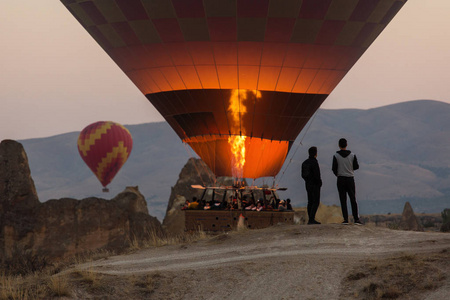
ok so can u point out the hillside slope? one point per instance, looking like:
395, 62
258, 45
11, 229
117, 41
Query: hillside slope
402, 148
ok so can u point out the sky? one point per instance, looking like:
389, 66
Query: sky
54, 78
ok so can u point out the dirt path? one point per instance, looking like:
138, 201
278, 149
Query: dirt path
282, 262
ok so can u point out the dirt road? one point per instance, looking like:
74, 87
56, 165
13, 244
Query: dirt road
281, 262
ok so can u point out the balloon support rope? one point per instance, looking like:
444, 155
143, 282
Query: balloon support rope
300, 143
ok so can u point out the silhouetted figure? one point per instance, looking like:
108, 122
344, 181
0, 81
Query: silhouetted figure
288, 204
313, 183
344, 165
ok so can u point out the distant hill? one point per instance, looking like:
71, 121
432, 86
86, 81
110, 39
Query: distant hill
403, 150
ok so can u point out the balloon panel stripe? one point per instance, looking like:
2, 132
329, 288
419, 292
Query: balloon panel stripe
115, 158
91, 135
104, 147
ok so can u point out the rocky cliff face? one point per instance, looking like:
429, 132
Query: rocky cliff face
17, 191
64, 227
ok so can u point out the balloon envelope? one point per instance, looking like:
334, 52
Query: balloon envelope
105, 147
236, 79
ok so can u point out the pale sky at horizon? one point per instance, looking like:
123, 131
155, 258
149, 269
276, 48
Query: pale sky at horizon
55, 78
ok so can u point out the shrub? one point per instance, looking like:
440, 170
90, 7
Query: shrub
445, 215
23, 262
445, 220
393, 225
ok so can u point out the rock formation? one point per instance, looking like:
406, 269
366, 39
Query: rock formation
17, 190
409, 220
194, 172
325, 214
64, 227
18, 195
329, 214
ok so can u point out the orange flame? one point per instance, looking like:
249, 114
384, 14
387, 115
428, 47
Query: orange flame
237, 143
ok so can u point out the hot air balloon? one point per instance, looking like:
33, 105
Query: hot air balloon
105, 147
237, 80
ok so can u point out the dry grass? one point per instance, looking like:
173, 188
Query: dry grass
59, 285
148, 283
26, 276
89, 276
407, 275
91, 256
11, 288
155, 239
23, 287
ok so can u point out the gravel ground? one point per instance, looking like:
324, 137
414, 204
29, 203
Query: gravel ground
281, 262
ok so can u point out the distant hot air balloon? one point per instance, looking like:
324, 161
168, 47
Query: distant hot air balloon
236, 79
105, 147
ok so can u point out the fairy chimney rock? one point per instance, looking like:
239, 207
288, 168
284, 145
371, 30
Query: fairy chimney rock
17, 190
409, 220
195, 171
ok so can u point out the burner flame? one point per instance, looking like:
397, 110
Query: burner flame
237, 142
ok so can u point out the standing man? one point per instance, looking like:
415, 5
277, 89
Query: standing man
313, 183
344, 165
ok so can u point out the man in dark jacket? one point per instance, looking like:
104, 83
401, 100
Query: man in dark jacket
344, 165
313, 183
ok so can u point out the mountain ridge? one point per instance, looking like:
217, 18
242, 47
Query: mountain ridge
402, 149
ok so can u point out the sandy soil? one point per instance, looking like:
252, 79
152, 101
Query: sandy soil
281, 262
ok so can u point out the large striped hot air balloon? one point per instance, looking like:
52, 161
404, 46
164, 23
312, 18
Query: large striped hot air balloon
105, 146
236, 79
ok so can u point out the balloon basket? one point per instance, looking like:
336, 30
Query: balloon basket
105, 190
227, 220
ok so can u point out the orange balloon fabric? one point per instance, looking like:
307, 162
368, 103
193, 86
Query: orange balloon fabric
105, 147
226, 74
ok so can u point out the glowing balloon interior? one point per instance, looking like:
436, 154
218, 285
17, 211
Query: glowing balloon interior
238, 79
105, 147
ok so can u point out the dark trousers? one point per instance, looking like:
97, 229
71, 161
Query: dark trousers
346, 185
313, 192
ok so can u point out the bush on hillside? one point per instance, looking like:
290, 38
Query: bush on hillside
445, 220
22, 262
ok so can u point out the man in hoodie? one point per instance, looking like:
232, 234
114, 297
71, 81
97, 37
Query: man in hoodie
313, 183
344, 165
